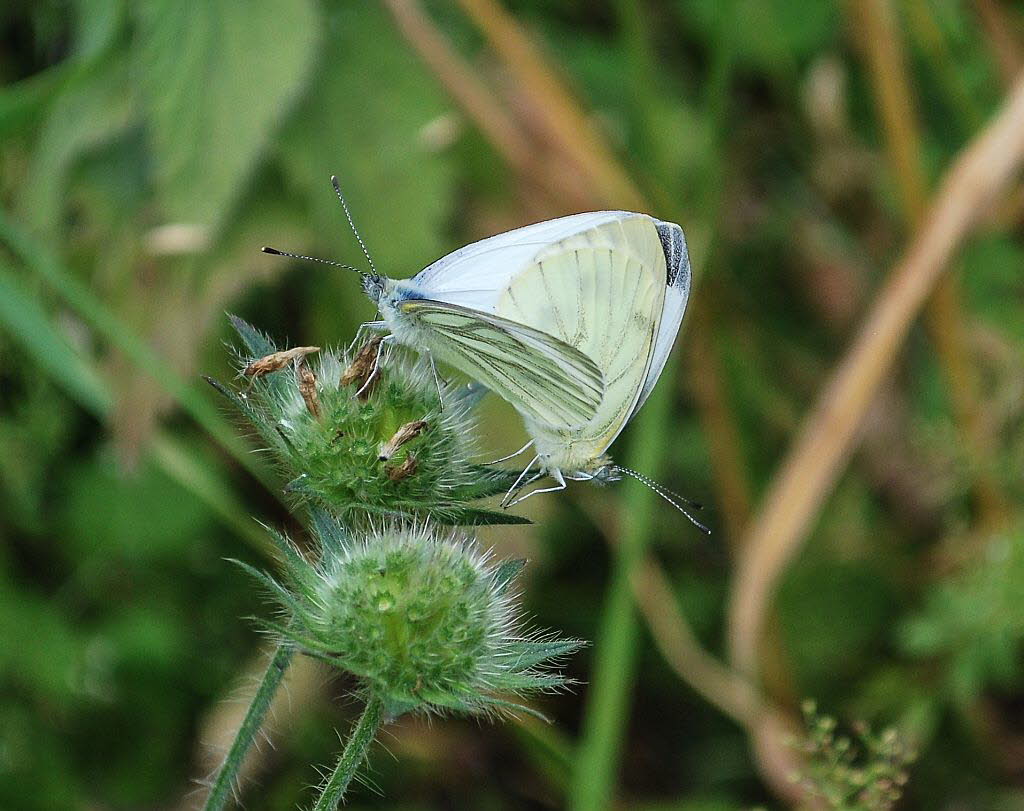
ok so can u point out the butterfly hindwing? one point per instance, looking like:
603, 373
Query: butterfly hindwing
541, 376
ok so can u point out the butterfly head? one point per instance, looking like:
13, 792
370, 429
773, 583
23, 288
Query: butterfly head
375, 286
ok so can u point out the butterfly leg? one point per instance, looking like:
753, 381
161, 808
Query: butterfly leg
366, 326
512, 455
518, 484
556, 475
388, 339
437, 380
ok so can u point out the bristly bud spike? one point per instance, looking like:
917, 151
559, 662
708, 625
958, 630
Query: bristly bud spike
672, 498
352, 225
342, 265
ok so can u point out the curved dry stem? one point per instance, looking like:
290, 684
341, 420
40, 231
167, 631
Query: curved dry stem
828, 434
462, 84
567, 124
887, 67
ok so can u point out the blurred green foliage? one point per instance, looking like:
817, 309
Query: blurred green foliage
148, 149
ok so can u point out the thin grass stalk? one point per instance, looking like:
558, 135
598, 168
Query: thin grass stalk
22, 317
105, 323
614, 665
725, 445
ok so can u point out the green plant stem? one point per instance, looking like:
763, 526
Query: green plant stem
228, 772
614, 664
353, 756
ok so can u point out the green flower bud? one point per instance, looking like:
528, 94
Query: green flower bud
366, 441
425, 620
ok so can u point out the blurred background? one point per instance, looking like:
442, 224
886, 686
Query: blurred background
147, 151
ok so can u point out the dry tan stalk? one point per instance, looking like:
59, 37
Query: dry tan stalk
462, 83
828, 434
944, 316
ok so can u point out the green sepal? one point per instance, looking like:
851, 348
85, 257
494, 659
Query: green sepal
263, 426
489, 481
528, 654
511, 708
526, 682
256, 342
280, 592
506, 572
328, 532
298, 570
397, 707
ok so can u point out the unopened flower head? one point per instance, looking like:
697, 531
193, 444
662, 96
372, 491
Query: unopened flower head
363, 438
424, 619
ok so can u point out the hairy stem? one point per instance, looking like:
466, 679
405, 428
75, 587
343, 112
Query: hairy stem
353, 756
226, 776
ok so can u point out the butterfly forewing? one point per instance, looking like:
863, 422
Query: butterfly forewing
541, 376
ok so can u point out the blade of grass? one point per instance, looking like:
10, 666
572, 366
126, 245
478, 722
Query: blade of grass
615, 661
29, 325
46, 267
25, 320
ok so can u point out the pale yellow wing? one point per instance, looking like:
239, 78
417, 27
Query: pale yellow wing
539, 374
601, 291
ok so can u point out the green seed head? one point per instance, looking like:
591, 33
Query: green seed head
425, 620
413, 615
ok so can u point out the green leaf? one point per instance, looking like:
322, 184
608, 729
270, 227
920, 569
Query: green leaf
215, 78
90, 111
363, 121
98, 24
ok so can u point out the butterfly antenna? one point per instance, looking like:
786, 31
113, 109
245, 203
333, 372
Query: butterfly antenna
276, 252
674, 499
352, 225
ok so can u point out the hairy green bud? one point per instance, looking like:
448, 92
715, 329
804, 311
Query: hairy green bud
424, 619
367, 440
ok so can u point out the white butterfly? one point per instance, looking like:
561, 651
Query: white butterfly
570, 320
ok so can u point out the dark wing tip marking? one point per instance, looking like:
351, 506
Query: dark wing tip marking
677, 258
